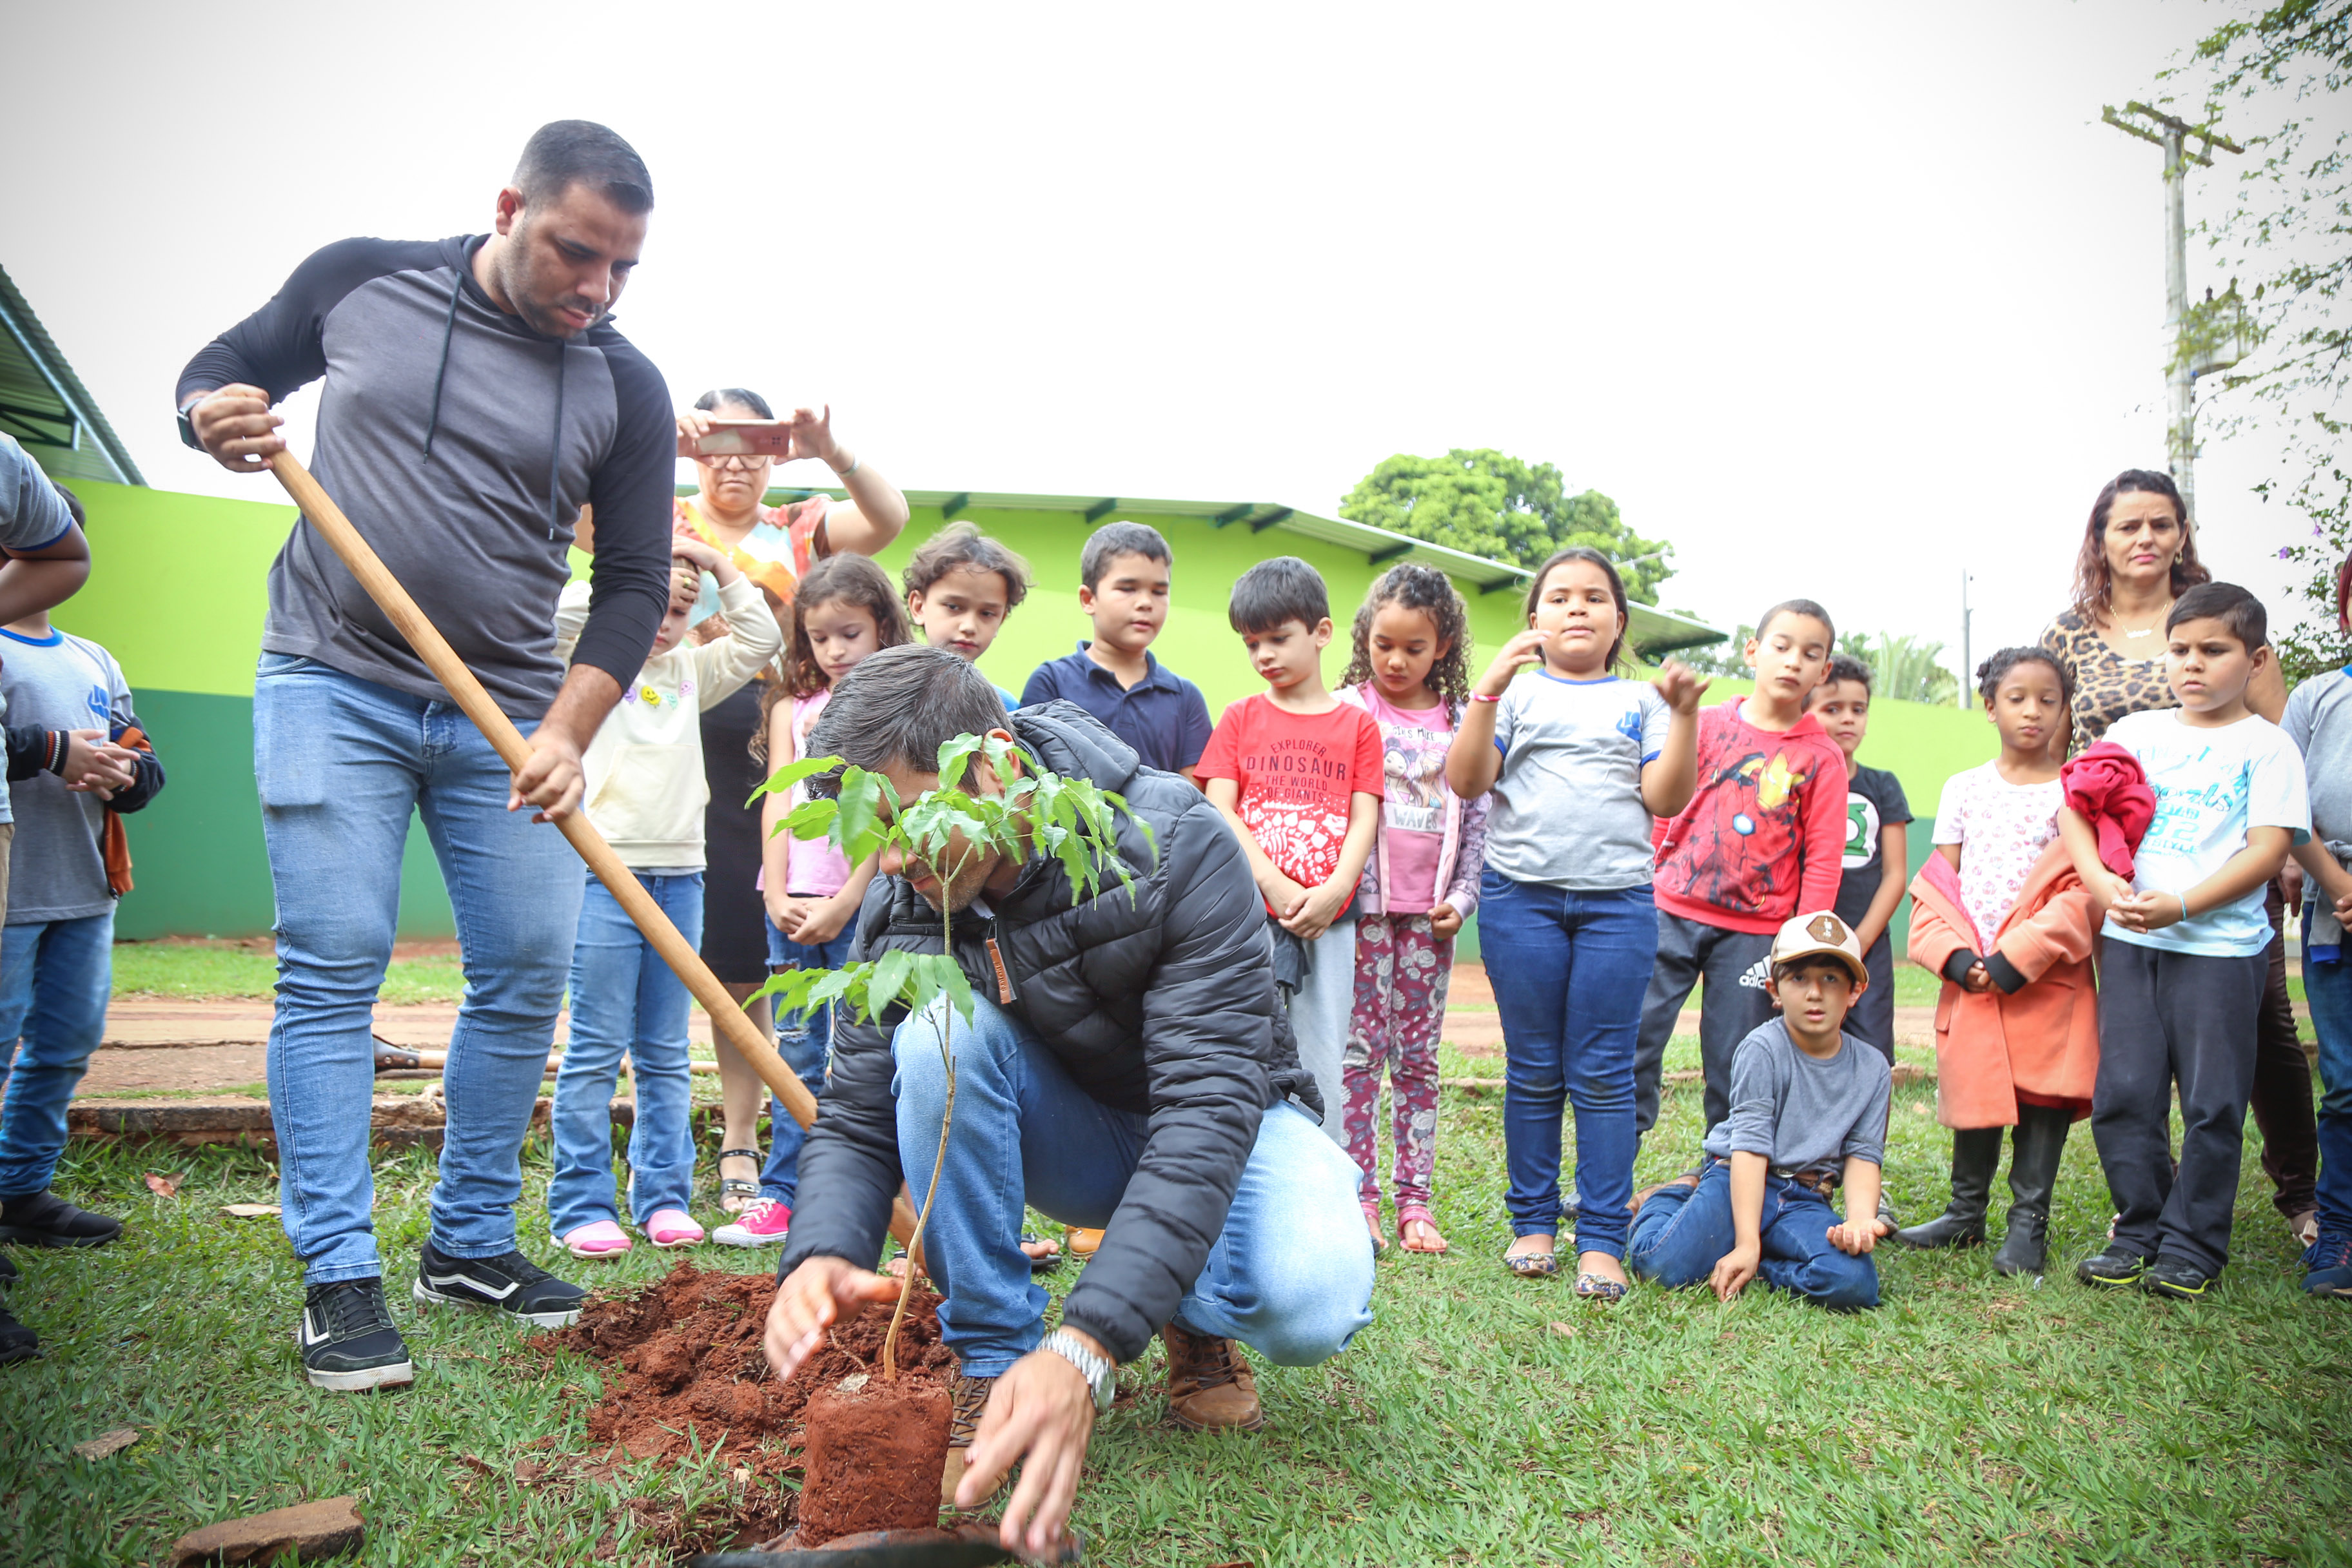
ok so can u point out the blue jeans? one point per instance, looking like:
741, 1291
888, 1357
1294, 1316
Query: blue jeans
805, 1042
1682, 1233
1290, 1276
1569, 971
341, 763
625, 999
55, 977
2329, 988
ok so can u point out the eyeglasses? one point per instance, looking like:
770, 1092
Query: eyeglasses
735, 461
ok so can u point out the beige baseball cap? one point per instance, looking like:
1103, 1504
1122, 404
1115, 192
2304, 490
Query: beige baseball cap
1819, 932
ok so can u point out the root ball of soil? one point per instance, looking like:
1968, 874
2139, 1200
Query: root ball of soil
873, 1460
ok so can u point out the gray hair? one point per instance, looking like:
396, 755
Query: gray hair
899, 707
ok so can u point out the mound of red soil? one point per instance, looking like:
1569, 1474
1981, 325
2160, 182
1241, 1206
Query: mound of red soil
685, 1371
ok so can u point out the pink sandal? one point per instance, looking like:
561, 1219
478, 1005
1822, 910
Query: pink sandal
672, 1227
1372, 1226
1408, 1214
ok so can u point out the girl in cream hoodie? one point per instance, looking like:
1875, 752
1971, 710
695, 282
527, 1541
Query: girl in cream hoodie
645, 793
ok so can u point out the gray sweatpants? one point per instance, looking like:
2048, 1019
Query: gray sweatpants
1736, 1001
2167, 1018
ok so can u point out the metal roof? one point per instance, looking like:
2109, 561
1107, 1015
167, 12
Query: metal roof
43, 404
1653, 631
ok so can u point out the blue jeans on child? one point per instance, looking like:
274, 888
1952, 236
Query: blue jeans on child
1681, 1234
805, 1042
341, 763
55, 977
1569, 971
2329, 988
624, 998
1290, 1276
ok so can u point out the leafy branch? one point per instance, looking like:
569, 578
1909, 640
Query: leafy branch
947, 829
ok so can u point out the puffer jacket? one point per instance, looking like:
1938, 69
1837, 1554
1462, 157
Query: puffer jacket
1162, 1005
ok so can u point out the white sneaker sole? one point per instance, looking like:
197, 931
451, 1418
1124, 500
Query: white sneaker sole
427, 1297
674, 1246
736, 1236
390, 1374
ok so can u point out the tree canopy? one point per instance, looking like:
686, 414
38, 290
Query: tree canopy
2274, 79
1490, 503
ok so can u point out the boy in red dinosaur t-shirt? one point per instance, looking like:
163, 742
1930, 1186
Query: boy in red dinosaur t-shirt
1298, 775
1762, 837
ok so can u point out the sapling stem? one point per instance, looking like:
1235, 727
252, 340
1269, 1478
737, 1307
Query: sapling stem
938, 1164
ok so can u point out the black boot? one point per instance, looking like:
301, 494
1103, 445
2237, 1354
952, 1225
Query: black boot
1976, 1155
2041, 1141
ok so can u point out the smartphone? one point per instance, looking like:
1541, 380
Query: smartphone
741, 438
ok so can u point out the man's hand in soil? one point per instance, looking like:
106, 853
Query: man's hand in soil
1040, 1415
235, 425
818, 1294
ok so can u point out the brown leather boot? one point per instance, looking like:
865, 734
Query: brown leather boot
971, 1398
1210, 1386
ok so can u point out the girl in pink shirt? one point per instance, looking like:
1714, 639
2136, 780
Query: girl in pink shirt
1411, 672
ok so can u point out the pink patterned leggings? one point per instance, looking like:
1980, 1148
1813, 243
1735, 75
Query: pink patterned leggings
1401, 972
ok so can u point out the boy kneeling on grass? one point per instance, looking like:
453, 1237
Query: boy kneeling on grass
1808, 1112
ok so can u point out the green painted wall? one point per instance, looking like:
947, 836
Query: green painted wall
178, 595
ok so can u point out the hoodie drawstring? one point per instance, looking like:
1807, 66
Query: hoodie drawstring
448, 327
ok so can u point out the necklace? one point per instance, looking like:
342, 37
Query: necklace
2147, 631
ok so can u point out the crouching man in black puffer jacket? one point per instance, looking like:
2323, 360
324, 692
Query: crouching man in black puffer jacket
1129, 1066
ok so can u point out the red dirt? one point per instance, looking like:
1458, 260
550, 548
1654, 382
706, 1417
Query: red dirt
874, 1457
685, 1372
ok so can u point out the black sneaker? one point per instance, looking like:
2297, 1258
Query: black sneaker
509, 1282
347, 1337
2177, 1279
7, 1270
18, 1342
45, 1220
2119, 1265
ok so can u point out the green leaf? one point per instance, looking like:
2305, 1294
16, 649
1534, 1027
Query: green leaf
954, 754
790, 987
926, 982
858, 830
889, 978
950, 977
810, 819
790, 774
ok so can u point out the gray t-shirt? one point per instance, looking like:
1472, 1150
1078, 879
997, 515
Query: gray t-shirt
1799, 1113
1567, 809
2318, 720
33, 516
57, 870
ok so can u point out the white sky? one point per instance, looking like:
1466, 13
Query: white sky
1836, 298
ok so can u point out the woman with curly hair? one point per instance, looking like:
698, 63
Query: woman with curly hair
1412, 673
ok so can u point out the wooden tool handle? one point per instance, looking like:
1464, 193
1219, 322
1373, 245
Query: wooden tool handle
727, 1015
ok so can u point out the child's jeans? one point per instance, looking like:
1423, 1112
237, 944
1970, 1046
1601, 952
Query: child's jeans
1682, 1233
805, 1042
2328, 988
1319, 1011
1736, 1001
1569, 971
1401, 971
2166, 1016
625, 999
55, 977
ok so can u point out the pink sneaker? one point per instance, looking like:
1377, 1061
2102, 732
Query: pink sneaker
672, 1227
765, 1223
603, 1239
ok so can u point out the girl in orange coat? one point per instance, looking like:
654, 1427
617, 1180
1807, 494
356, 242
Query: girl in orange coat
2000, 914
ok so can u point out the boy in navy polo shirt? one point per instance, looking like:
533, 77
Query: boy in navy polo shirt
1125, 592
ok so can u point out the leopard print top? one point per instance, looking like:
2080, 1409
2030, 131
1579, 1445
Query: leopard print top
2106, 685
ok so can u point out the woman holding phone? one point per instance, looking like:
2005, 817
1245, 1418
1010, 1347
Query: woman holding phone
774, 546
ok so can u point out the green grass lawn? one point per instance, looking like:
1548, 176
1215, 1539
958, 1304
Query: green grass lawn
1479, 1420
185, 969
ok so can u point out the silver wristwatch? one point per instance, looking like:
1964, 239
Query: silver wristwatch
1099, 1371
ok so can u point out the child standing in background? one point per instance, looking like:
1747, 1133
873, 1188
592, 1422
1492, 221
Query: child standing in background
645, 791
843, 612
1123, 586
1580, 761
1763, 837
960, 585
1412, 673
2000, 913
1877, 846
2185, 964
1298, 775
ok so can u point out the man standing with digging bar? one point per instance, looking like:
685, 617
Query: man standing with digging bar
476, 399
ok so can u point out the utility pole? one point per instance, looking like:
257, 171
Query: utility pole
2182, 365
1968, 662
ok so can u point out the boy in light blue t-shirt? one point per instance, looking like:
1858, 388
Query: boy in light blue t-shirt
2181, 980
